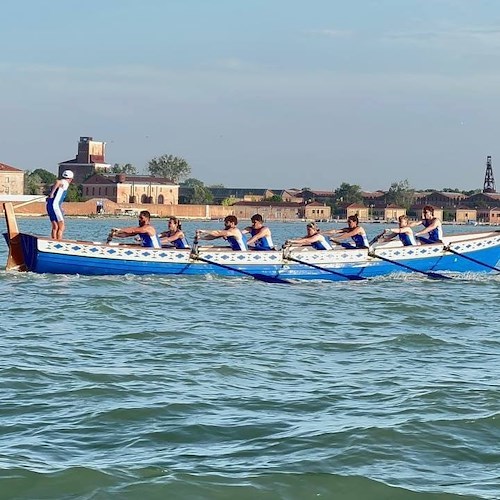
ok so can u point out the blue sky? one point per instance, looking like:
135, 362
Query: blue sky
258, 93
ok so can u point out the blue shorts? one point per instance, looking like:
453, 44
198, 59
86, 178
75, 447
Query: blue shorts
54, 211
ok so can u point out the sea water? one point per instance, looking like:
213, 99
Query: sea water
218, 388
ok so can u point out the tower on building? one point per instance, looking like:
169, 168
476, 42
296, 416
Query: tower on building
489, 181
89, 159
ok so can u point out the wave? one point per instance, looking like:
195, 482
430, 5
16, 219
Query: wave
158, 483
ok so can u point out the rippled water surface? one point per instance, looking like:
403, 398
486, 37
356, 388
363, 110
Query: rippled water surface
176, 387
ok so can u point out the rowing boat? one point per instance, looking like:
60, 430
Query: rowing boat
462, 253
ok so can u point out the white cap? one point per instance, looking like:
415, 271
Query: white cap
67, 174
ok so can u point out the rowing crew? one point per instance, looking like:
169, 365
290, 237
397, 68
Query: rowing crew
260, 235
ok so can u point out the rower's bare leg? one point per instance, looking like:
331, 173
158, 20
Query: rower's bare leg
60, 230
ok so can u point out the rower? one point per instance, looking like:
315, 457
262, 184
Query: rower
313, 238
353, 231
404, 232
145, 231
260, 235
230, 233
174, 237
432, 227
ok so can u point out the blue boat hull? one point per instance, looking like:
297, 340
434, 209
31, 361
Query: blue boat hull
43, 255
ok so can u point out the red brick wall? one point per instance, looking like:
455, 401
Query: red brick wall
90, 208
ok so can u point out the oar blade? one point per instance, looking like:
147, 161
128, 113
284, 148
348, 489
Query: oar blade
437, 276
430, 274
269, 279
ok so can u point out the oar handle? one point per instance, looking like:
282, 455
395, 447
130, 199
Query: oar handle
194, 250
111, 235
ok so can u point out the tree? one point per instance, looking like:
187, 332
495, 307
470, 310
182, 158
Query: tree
38, 181
45, 176
401, 194
74, 193
192, 182
33, 184
126, 168
471, 192
169, 166
202, 196
275, 198
348, 193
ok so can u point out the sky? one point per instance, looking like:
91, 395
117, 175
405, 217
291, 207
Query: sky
258, 93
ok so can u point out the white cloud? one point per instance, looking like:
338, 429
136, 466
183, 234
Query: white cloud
455, 38
331, 33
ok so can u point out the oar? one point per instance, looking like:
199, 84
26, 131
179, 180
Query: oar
342, 275
30, 201
257, 276
111, 234
430, 274
374, 240
449, 249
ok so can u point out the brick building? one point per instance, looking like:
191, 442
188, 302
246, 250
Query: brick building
89, 160
122, 188
11, 180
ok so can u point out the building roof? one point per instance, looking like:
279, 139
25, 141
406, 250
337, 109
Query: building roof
445, 194
321, 194
293, 204
316, 204
373, 194
237, 192
7, 168
95, 160
99, 179
491, 196
452, 194
127, 179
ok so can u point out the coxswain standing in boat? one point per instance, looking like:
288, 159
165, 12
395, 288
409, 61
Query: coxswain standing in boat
353, 231
432, 227
404, 232
174, 237
54, 201
313, 238
230, 233
145, 231
260, 235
